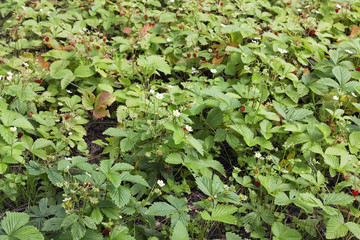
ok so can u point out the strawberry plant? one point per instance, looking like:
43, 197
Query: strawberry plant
179, 119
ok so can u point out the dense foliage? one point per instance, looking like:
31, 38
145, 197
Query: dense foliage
179, 119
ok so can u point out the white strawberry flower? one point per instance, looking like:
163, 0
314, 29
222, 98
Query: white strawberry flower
159, 95
213, 70
168, 39
161, 183
152, 91
13, 129
189, 128
258, 155
338, 5
335, 98
176, 113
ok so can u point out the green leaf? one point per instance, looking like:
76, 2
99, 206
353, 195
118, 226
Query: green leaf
158, 63
354, 139
214, 118
42, 143
57, 66
13, 221
180, 232
341, 198
127, 144
283, 232
92, 235
282, 199
354, 228
96, 215
84, 71
174, 158
126, 176
89, 222
116, 132
52, 224
310, 200
28, 233
22, 123
196, 144
78, 231
121, 195
54, 176
232, 236
223, 213
160, 209
335, 229
167, 17
342, 75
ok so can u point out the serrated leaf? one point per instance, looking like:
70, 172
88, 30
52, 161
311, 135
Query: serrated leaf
14, 221
57, 66
96, 215
174, 158
22, 123
232, 236
121, 195
214, 118
161, 209
28, 233
342, 75
180, 232
52, 224
196, 144
126, 176
335, 229
116, 132
283, 232
54, 176
341, 198
89, 222
84, 71
354, 228
223, 213
42, 143
78, 231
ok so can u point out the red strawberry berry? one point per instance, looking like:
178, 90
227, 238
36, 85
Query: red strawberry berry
163, 36
35, 5
256, 171
338, 141
153, 24
106, 232
97, 47
256, 183
146, 16
181, 27
288, 3
30, 114
67, 117
27, 4
38, 81
104, 39
358, 69
221, 4
227, 54
312, 32
332, 128
217, 56
355, 192
188, 55
47, 39
166, 169
19, 18
242, 108
194, 55
137, 11
20, 135
336, 10
259, 30
293, 72
297, 43
276, 33
80, 6
122, 14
